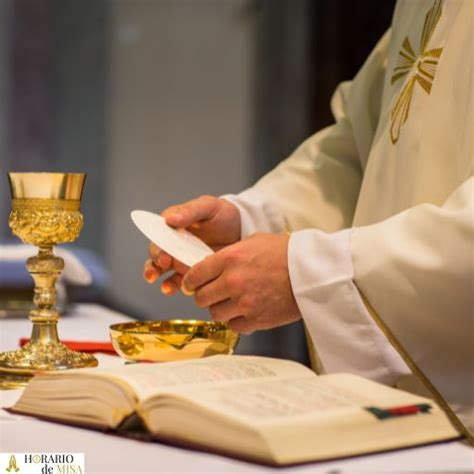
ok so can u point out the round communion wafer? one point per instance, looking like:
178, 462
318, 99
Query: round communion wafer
179, 243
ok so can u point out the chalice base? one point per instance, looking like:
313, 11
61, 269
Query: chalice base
17, 367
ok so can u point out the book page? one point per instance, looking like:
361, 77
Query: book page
151, 379
260, 401
297, 396
287, 398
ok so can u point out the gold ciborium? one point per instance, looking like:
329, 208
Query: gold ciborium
45, 212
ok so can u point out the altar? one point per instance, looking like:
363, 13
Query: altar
106, 453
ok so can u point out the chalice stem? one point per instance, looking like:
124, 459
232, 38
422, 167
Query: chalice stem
45, 269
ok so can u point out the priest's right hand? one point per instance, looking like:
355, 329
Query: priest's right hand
214, 220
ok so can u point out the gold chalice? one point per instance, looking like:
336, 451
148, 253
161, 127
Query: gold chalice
45, 212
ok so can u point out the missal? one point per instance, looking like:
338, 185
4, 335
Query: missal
271, 411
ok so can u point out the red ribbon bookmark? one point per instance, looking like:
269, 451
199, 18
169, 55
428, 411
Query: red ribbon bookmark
385, 413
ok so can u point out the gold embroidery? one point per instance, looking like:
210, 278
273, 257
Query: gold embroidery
422, 64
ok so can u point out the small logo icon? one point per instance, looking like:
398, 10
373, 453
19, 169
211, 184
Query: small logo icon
12, 467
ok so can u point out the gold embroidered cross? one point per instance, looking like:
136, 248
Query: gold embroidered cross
424, 66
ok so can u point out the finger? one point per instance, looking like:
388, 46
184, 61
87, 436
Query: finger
180, 267
224, 311
164, 261
241, 324
153, 250
203, 272
150, 272
191, 212
159, 257
171, 285
211, 294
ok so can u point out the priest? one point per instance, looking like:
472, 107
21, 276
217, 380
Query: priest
366, 231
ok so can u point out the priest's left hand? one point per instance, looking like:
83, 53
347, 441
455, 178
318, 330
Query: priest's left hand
246, 283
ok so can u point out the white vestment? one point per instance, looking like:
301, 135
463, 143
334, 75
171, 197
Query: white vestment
381, 203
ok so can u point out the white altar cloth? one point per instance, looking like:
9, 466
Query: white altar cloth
106, 453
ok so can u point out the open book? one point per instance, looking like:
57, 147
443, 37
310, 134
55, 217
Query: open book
269, 410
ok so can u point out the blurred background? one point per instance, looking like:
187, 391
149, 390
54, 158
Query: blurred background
159, 101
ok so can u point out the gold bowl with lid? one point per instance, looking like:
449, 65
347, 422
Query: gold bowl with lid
173, 340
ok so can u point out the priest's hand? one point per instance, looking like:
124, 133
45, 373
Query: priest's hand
246, 284
214, 220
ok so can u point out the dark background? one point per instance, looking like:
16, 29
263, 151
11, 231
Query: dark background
337, 38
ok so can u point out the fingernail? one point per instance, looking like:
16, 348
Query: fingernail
166, 288
185, 291
150, 276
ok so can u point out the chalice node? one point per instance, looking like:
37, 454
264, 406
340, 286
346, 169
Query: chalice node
45, 212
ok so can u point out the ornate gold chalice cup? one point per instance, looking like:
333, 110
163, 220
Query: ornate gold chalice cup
45, 212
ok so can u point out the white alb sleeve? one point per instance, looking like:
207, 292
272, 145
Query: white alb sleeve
344, 334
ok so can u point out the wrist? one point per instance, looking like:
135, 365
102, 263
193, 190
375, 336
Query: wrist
257, 212
232, 217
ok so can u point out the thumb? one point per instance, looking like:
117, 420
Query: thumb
188, 213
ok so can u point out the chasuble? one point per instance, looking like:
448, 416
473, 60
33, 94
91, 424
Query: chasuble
380, 210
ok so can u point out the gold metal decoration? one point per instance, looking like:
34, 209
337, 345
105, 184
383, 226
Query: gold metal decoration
421, 66
178, 339
45, 212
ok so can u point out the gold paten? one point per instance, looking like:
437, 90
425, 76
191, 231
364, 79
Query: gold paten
45, 212
178, 339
